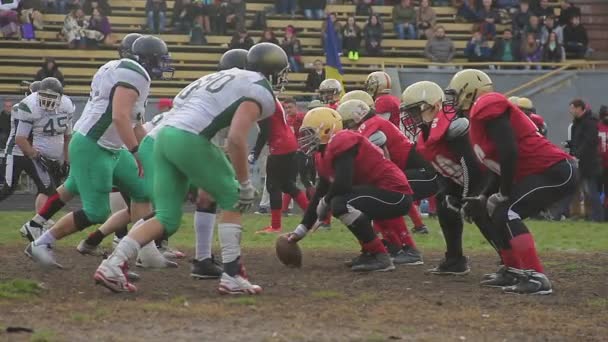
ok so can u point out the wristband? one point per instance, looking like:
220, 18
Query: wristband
300, 230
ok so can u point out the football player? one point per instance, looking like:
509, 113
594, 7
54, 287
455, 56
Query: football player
378, 85
443, 141
306, 167
104, 147
531, 172
526, 106
330, 91
356, 185
37, 144
232, 100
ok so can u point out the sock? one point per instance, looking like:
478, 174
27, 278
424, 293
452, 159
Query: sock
232, 268
45, 239
230, 240
451, 226
95, 238
374, 247
432, 205
122, 232
524, 249
508, 259
414, 214
126, 250
203, 226
400, 227
52, 205
275, 218
381, 226
285, 204
301, 200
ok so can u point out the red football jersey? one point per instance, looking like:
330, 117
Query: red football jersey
282, 140
603, 147
436, 149
371, 168
397, 144
538, 121
295, 122
535, 152
387, 103
333, 106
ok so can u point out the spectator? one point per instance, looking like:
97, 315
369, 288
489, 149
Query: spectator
5, 123
71, 5
184, 13
543, 10
269, 37
404, 20
206, 9
352, 39
426, 19
228, 14
553, 51
313, 9
30, 14
508, 5
439, 49
506, 49
373, 36
521, 19
534, 27
103, 5
241, 40
285, 7
568, 10
315, 77
76, 30
197, 32
9, 18
488, 17
337, 29
477, 49
530, 50
464, 12
293, 48
99, 22
156, 11
550, 27
363, 8
236, 14
49, 69
575, 38
584, 146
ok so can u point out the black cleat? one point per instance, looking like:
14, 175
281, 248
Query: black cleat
379, 262
205, 269
530, 282
452, 266
355, 260
501, 278
407, 256
421, 230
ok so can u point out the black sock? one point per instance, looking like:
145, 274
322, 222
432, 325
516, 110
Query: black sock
232, 268
451, 226
362, 229
95, 238
122, 232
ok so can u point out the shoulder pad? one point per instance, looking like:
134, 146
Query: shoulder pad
343, 141
489, 106
67, 106
26, 110
128, 64
378, 138
458, 128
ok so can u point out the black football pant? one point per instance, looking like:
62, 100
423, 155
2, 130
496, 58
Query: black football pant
421, 175
43, 175
306, 168
281, 173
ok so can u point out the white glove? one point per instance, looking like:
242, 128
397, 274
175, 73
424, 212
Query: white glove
322, 210
251, 158
298, 234
494, 201
246, 196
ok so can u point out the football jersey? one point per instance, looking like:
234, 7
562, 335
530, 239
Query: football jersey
47, 127
387, 106
333, 105
281, 139
295, 122
397, 144
435, 148
11, 146
535, 153
602, 129
209, 103
370, 166
96, 119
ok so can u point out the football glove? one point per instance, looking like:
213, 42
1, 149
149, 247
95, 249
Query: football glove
251, 158
472, 206
298, 234
246, 196
452, 203
322, 210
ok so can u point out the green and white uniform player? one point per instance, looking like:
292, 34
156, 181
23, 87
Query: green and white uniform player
110, 120
184, 154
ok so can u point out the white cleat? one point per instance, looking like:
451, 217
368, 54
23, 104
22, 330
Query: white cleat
115, 242
30, 232
237, 285
169, 252
150, 257
114, 277
42, 255
85, 249
48, 224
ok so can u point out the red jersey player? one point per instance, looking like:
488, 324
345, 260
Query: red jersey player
531, 171
378, 85
526, 106
356, 184
602, 128
306, 167
281, 165
330, 91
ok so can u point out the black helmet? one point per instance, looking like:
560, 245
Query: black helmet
271, 61
124, 50
49, 93
235, 58
152, 53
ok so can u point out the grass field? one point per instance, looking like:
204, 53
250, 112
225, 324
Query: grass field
323, 301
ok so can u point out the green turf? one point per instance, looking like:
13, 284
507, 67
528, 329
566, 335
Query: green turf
18, 288
576, 236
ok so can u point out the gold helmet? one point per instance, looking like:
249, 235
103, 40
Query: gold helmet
417, 99
378, 82
513, 100
330, 90
358, 95
466, 86
525, 104
353, 112
318, 126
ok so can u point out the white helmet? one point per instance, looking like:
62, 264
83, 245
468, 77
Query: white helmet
330, 90
416, 99
353, 112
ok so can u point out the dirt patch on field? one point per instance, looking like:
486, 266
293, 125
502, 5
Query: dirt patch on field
323, 301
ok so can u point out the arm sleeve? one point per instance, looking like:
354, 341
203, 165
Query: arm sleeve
24, 128
263, 135
500, 131
344, 166
462, 148
310, 215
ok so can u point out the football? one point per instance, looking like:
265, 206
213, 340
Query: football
288, 253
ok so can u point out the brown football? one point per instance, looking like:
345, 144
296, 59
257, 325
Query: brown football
288, 253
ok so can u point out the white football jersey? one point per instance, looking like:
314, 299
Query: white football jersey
207, 105
11, 147
96, 119
46, 128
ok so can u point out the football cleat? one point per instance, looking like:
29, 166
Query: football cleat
205, 269
237, 285
355, 260
169, 252
407, 256
379, 262
42, 254
262, 211
530, 282
114, 277
31, 232
452, 266
115, 241
324, 226
421, 230
269, 230
48, 224
501, 278
150, 257
85, 249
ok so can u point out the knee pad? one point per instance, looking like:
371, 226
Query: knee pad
81, 220
346, 213
230, 241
